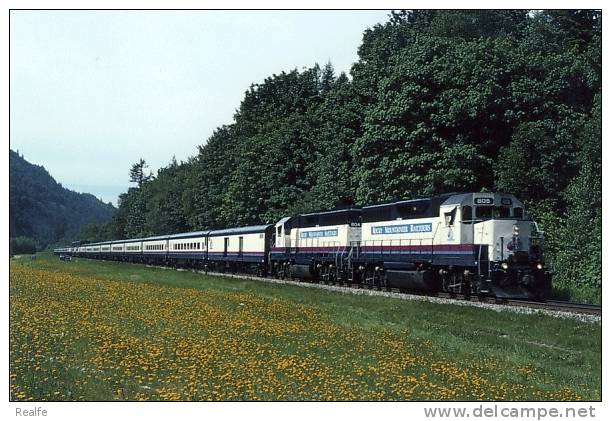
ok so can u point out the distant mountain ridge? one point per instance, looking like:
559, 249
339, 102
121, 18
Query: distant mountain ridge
41, 209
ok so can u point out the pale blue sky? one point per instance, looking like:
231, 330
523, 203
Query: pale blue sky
91, 92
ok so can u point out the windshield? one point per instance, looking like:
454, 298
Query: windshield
492, 212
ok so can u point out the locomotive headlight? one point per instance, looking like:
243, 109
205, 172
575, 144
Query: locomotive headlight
504, 265
539, 266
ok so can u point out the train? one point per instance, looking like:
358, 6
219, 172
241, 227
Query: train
465, 244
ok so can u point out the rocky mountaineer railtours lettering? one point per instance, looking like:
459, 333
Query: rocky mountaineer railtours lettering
320, 233
402, 229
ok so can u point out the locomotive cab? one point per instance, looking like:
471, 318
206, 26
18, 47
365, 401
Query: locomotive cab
507, 244
282, 234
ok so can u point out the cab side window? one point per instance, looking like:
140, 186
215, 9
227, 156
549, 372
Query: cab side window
449, 217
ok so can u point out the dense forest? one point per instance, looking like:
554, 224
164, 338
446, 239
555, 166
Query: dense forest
42, 212
438, 101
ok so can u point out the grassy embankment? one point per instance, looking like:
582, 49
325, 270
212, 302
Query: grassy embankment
92, 330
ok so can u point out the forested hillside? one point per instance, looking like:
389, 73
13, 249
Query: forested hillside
438, 101
42, 210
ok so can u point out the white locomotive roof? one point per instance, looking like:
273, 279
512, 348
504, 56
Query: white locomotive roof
420, 199
332, 211
456, 199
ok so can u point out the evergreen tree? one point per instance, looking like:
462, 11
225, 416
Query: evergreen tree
137, 173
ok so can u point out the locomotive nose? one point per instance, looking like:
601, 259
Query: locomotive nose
527, 279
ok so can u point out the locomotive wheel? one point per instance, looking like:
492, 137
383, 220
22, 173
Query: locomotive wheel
326, 275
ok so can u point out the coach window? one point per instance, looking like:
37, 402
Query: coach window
467, 213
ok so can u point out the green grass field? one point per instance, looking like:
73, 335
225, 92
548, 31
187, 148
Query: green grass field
94, 330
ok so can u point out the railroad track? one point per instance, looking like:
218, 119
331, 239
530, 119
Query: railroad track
551, 305
555, 305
